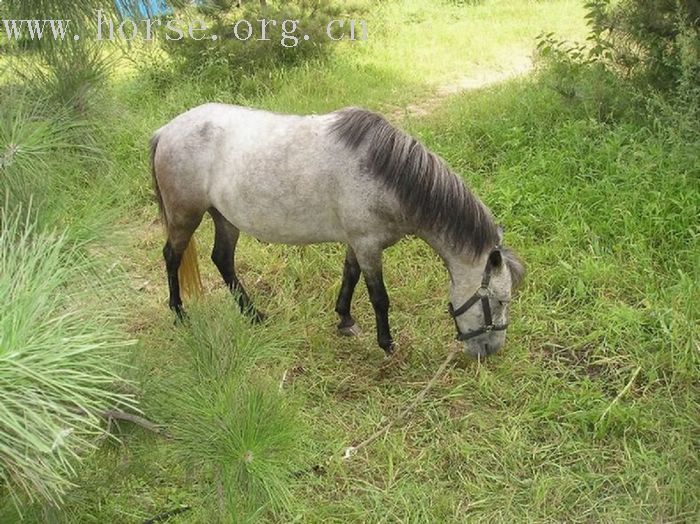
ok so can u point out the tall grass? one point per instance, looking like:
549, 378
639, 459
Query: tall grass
229, 413
57, 359
52, 158
34, 140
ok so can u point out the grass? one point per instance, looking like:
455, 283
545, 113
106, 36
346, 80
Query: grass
590, 412
56, 345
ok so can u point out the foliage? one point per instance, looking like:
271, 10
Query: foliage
230, 59
67, 73
57, 347
57, 360
52, 159
57, 9
650, 42
570, 70
656, 40
73, 77
34, 140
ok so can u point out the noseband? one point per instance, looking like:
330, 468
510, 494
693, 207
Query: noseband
481, 295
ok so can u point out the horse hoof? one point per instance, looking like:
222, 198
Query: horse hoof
258, 317
182, 321
181, 317
350, 331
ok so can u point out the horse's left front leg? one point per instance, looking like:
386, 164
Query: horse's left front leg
370, 261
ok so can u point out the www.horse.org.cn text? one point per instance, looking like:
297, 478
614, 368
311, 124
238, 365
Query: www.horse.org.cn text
287, 33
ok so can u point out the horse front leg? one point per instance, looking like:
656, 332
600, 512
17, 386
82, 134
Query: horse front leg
370, 261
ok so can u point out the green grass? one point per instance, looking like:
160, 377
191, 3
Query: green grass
59, 353
589, 413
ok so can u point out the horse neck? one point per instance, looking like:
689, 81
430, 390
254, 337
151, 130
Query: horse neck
464, 268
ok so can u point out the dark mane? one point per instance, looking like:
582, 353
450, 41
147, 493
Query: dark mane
433, 197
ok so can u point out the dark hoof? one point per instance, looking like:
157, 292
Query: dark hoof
258, 317
180, 316
388, 348
353, 330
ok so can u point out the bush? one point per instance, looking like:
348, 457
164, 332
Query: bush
655, 41
229, 59
65, 72
31, 145
640, 56
568, 69
57, 362
73, 77
50, 158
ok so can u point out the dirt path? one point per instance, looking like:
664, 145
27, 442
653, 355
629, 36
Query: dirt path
520, 66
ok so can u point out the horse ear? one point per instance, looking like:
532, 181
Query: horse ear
495, 258
500, 230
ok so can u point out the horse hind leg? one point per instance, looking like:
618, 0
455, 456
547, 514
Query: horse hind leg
351, 275
180, 233
223, 255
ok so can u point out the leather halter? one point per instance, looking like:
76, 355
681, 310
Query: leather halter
480, 295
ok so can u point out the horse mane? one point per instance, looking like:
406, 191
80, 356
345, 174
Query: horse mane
432, 196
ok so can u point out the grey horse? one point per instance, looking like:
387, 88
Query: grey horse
347, 176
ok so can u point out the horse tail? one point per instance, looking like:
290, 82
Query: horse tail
190, 278
156, 189
188, 272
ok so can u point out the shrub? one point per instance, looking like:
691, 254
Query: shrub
640, 56
228, 59
568, 69
656, 41
64, 71
73, 77
245, 435
30, 141
44, 155
651, 43
57, 362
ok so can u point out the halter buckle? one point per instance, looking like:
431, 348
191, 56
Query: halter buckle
482, 291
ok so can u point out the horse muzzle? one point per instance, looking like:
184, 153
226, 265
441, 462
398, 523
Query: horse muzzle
485, 345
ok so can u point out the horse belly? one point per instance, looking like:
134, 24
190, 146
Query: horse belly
274, 212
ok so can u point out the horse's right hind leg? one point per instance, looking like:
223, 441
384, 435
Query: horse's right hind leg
225, 240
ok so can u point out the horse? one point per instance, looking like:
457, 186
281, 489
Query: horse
348, 176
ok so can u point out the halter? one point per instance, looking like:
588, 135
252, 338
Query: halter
481, 295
